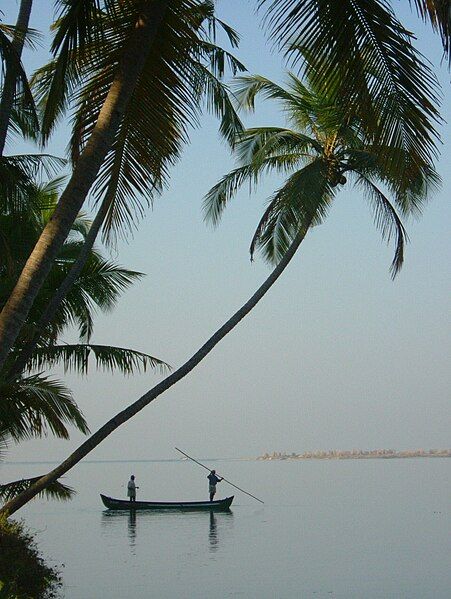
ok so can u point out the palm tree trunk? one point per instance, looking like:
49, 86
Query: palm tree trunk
15, 504
27, 351
53, 236
9, 87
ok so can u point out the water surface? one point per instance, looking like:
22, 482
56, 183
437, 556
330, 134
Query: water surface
349, 529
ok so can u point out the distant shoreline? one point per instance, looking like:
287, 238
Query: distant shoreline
355, 454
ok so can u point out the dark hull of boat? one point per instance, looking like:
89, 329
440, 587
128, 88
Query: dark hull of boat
221, 505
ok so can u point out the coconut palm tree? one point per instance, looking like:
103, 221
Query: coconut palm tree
16, 101
137, 165
362, 42
34, 404
325, 148
137, 71
98, 286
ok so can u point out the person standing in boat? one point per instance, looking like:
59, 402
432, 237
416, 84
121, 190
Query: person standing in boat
131, 488
213, 480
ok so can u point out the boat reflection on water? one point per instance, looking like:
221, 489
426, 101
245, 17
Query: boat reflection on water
129, 520
132, 527
113, 520
213, 534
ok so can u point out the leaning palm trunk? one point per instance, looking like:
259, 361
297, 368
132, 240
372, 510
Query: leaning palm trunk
15, 504
61, 293
10, 83
87, 167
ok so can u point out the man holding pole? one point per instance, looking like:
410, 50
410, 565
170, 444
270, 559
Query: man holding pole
214, 480
213, 472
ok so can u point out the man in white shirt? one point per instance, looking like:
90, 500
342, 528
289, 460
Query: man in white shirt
131, 488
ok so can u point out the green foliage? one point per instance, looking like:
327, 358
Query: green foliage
34, 405
182, 75
438, 13
327, 144
360, 51
24, 110
55, 490
23, 571
76, 357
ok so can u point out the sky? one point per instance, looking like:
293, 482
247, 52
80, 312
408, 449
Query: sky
336, 356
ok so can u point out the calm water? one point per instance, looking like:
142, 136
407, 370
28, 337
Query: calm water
366, 529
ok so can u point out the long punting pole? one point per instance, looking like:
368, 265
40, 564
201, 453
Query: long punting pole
222, 478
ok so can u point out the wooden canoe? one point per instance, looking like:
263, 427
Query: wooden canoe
221, 505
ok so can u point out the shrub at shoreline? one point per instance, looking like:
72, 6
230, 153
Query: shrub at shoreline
23, 572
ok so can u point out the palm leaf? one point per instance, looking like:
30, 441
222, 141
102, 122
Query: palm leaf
361, 49
183, 65
247, 87
76, 357
386, 220
4, 437
18, 175
257, 144
423, 180
10, 61
439, 14
98, 287
55, 490
33, 405
217, 198
303, 201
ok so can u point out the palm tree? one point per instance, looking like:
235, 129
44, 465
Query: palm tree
32, 403
16, 100
326, 146
141, 69
98, 286
361, 42
438, 13
365, 53
148, 143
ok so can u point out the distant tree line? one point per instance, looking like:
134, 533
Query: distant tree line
357, 454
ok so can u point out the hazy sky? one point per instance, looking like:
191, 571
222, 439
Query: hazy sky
336, 356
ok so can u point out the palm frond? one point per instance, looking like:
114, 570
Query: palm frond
34, 405
36, 165
81, 227
260, 149
10, 62
215, 201
98, 287
79, 23
19, 192
422, 181
76, 357
183, 65
55, 490
257, 144
247, 87
439, 14
303, 201
367, 56
4, 438
216, 96
22, 122
31, 38
386, 220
